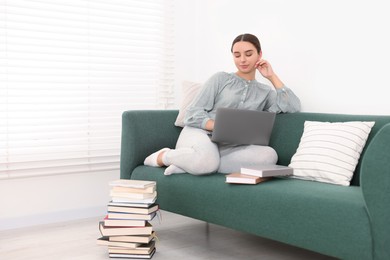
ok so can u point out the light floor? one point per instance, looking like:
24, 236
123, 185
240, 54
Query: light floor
179, 238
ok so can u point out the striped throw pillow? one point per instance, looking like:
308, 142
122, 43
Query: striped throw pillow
329, 152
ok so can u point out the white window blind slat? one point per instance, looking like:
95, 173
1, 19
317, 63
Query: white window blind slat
68, 69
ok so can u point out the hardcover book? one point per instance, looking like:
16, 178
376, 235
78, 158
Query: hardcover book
134, 190
124, 231
240, 178
133, 183
133, 200
131, 204
109, 222
268, 171
105, 241
136, 256
132, 195
141, 250
134, 209
143, 239
130, 216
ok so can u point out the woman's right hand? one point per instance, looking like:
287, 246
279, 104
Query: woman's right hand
210, 125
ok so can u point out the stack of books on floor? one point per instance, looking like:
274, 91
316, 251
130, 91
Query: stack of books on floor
126, 230
258, 174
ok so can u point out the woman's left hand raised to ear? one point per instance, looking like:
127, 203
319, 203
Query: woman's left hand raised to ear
265, 68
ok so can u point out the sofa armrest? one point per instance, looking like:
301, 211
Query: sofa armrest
375, 183
144, 132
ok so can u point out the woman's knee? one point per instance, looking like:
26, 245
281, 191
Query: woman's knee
205, 163
263, 154
270, 155
252, 155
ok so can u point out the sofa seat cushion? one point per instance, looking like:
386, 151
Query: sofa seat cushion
288, 210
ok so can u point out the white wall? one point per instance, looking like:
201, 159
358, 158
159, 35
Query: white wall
333, 54
41, 200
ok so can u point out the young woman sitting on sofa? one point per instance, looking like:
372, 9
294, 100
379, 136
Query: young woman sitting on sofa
195, 153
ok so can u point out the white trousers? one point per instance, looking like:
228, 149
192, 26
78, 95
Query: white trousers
195, 153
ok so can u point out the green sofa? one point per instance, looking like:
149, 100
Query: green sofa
344, 222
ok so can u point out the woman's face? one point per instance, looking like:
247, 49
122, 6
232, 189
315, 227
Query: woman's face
245, 57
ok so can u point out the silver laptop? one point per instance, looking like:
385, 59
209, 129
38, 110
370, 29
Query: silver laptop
242, 126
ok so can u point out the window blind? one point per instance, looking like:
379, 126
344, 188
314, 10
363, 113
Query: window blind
68, 69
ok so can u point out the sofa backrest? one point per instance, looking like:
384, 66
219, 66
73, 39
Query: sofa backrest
288, 130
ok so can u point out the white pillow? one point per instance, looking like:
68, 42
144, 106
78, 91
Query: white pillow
329, 152
189, 92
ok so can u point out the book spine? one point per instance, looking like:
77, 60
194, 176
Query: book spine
133, 195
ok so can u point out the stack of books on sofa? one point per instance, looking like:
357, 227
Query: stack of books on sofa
126, 230
254, 175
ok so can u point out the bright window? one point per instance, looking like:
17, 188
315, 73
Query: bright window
68, 69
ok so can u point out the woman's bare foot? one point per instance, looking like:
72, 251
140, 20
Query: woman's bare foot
160, 160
